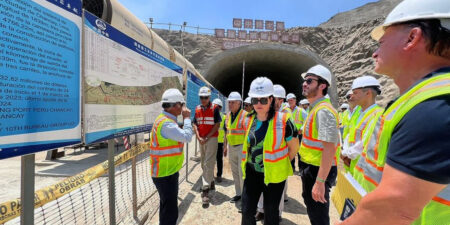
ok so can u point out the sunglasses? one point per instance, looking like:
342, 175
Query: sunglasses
247, 105
203, 98
310, 80
348, 96
263, 101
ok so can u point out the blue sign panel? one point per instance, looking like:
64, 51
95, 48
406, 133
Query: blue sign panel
40, 46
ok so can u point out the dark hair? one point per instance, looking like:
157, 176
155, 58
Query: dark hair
437, 36
271, 112
323, 81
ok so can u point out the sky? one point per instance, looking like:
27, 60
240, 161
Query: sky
219, 14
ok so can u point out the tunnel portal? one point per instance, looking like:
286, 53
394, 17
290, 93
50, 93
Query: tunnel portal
283, 64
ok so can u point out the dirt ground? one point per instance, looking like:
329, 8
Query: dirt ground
221, 211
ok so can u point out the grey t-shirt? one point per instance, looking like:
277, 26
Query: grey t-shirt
326, 126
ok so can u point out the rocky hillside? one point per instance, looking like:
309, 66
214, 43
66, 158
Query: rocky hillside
343, 42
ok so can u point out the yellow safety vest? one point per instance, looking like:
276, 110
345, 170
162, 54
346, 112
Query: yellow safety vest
311, 148
221, 131
277, 165
236, 130
299, 118
166, 155
350, 121
369, 169
358, 130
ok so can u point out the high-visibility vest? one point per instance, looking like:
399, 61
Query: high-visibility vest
369, 169
205, 120
236, 129
299, 115
166, 155
357, 131
221, 135
311, 148
350, 121
277, 165
285, 109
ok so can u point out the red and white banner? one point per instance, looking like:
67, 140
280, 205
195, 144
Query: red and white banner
231, 34
242, 34
253, 35
237, 23
248, 24
280, 26
295, 38
285, 37
264, 36
269, 25
274, 37
259, 24
226, 45
220, 33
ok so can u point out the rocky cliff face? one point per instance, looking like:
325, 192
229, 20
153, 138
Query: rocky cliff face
343, 42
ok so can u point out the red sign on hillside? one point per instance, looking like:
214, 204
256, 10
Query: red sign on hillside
237, 23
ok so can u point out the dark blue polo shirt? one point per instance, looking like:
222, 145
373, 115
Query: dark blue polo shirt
420, 143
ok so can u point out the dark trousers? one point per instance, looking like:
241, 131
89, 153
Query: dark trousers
298, 155
318, 213
253, 187
168, 204
219, 159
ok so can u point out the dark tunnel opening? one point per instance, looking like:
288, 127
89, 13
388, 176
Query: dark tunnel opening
283, 64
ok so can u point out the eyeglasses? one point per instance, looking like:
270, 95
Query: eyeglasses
263, 101
203, 97
247, 105
310, 80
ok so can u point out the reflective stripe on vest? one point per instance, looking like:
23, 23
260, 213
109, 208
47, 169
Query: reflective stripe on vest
357, 132
205, 120
371, 165
166, 156
311, 148
236, 129
277, 166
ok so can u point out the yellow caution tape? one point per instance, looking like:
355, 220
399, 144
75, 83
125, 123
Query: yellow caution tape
12, 209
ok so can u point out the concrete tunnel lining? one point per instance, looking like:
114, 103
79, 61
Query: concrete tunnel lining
283, 64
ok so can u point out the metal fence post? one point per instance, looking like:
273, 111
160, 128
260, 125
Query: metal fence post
134, 188
27, 189
111, 180
187, 161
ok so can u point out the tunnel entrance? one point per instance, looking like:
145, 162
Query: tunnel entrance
283, 64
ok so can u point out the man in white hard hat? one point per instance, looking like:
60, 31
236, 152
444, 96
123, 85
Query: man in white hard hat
206, 125
220, 140
299, 115
236, 123
365, 89
166, 152
407, 173
304, 103
318, 147
248, 107
280, 94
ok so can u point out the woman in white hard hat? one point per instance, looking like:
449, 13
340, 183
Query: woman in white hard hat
270, 144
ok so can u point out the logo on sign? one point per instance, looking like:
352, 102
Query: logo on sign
100, 24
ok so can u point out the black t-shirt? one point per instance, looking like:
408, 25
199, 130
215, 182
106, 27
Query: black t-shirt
420, 143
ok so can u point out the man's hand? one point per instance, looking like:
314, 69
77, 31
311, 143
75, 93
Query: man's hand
318, 192
347, 161
185, 112
225, 150
201, 140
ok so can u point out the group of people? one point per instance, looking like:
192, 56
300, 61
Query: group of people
400, 154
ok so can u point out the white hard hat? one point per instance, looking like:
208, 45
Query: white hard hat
279, 91
349, 92
345, 106
234, 96
327, 96
409, 10
320, 71
289, 96
304, 101
261, 87
172, 96
217, 102
204, 91
248, 100
366, 81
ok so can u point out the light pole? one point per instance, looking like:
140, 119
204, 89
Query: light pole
182, 44
151, 23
